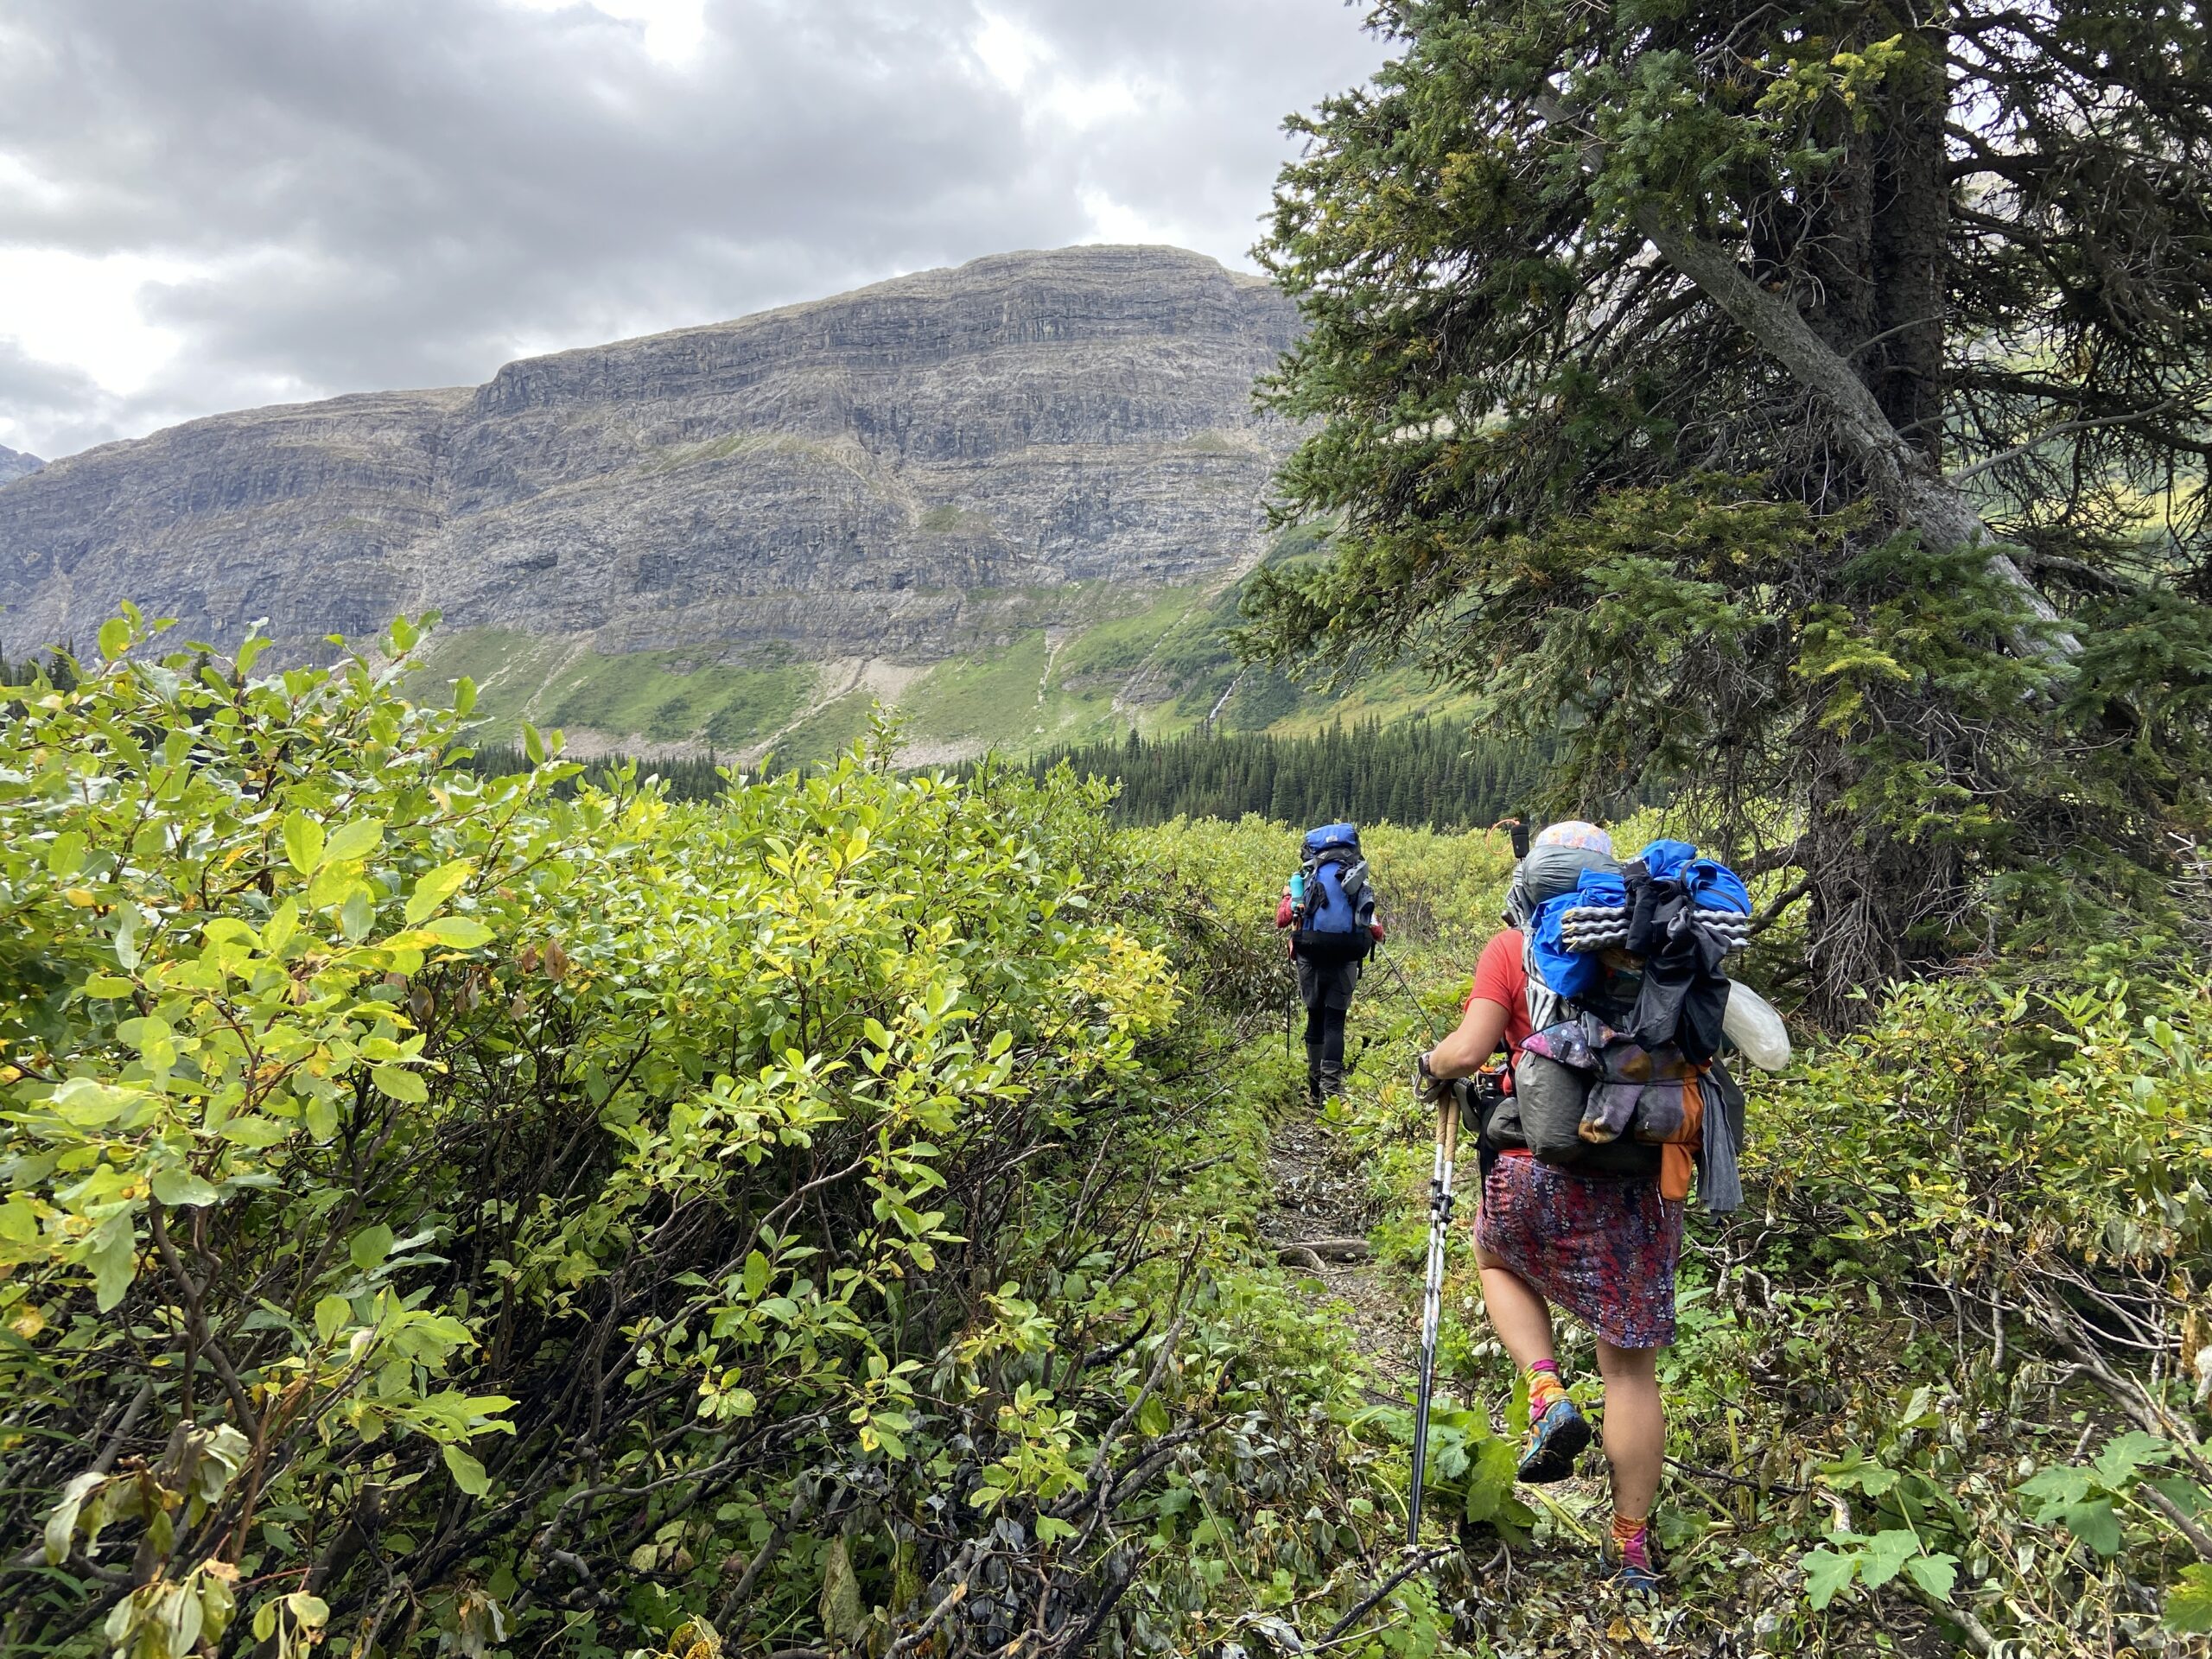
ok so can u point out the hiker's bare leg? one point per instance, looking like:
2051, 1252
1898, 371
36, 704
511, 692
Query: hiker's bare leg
1635, 1425
1521, 1318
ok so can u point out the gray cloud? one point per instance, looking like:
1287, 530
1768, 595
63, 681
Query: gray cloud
410, 192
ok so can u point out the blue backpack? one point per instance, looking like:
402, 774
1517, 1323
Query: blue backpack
1334, 903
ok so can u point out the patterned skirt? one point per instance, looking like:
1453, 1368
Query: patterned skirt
1603, 1248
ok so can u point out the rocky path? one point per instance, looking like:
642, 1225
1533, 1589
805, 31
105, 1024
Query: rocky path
1319, 1196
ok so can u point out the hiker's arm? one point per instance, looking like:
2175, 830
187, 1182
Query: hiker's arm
1284, 913
1472, 1043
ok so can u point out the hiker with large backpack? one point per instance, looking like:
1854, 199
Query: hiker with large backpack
1605, 993
1328, 909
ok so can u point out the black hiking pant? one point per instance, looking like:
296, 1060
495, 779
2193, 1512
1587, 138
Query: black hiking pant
1325, 1050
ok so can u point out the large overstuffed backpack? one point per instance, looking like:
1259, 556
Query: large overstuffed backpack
1626, 999
1337, 903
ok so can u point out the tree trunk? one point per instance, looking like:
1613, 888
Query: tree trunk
1903, 365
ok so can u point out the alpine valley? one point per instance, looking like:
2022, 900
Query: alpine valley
1013, 499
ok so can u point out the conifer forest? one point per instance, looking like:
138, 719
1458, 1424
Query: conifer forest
467, 1204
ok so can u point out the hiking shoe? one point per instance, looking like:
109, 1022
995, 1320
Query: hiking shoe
1635, 1580
1556, 1440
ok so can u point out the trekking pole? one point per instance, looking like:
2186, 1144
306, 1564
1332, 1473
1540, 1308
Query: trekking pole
1409, 995
1432, 1299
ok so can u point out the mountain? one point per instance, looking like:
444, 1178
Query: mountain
860, 474
1011, 497
15, 464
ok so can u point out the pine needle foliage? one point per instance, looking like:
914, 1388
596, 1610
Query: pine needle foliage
1419, 771
1811, 407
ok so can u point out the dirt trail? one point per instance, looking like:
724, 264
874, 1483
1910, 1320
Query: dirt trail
1320, 1196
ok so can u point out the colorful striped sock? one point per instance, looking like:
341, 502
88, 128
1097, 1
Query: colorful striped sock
1633, 1540
1545, 1389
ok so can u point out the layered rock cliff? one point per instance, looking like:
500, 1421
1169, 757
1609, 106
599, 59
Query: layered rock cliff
882, 474
14, 464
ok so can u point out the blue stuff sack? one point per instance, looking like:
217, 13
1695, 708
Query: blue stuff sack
1600, 887
1572, 974
1665, 859
1711, 885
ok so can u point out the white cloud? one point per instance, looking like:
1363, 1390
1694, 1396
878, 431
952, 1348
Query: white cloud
671, 32
86, 312
209, 205
1008, 51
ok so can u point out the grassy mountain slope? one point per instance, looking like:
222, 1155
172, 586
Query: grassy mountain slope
1156, 662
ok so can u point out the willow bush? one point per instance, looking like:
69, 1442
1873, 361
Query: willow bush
440, 1215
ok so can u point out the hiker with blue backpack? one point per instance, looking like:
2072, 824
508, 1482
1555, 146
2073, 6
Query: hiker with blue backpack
1328, 909
1604, 992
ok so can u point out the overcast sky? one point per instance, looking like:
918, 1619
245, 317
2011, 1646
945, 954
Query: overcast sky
210, 204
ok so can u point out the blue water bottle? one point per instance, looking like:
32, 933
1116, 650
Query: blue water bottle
1297, 888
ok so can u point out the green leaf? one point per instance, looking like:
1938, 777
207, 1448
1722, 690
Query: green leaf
302, 842
2116, 1464
401, 1084
2056, 1488
332, 1315
437, 888
1871, 1478
464, 697
2189, 1604
257, 1133
355, 840
1827, 1574
357, 915
113, 1259
66, 857
460, 933
85, 1104
322, 1117
2096, 1524
369, 1247
312, 1612
115, 637
179, 1188
1934, 1573
107, 985
756, 1275
126, 937
18, 1220
467, 1473
284, 922
61, 1523
1883, 1553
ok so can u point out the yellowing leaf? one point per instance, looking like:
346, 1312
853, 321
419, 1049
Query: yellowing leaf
467, 1473
437, 888
302, 842
460, 933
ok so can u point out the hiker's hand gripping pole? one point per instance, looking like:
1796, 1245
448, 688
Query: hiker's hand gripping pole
1431, 1301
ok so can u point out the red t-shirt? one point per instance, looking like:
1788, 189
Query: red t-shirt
1500, 977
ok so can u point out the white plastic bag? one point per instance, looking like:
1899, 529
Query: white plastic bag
1751, 1023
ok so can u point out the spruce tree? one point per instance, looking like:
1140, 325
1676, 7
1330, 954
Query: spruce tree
1813, 406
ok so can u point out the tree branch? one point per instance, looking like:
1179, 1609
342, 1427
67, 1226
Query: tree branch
2050, 432
1915, 494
